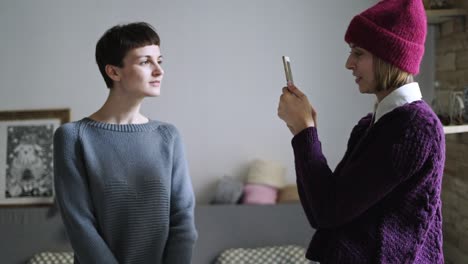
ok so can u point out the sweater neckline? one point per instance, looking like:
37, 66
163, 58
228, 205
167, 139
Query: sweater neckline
148, 126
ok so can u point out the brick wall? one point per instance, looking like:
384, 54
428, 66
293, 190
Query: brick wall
452, 75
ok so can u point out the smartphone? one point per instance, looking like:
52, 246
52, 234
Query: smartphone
287, 69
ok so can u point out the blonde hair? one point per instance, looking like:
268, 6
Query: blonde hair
388, 76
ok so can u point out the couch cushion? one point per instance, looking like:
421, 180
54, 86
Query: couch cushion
52, 258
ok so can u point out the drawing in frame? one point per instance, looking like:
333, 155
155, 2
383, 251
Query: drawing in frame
26, 155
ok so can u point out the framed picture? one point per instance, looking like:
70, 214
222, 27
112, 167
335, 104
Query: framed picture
26, 155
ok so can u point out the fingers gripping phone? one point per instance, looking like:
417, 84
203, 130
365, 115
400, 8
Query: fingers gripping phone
287, 69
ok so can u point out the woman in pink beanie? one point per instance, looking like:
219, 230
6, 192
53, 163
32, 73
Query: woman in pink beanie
382, 203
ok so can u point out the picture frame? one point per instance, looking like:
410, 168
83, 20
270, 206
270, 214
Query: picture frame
26, 155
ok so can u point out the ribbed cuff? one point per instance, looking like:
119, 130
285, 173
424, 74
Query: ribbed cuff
305, 141
307, 135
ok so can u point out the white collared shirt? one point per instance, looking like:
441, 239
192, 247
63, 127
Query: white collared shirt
407, 93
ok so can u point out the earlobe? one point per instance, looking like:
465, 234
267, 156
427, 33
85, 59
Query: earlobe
112, 72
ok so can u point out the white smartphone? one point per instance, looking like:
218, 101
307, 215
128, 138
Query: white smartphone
287, 69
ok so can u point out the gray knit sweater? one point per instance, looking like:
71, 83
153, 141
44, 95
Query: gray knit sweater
124, 192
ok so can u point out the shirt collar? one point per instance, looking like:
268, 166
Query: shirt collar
405, 94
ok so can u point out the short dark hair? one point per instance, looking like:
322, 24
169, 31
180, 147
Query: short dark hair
118, 40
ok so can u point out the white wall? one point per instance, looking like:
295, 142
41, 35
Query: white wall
223, 71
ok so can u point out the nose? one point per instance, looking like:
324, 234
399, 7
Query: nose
158, 70
350, 63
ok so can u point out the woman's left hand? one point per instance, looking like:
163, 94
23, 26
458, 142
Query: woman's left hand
295, 110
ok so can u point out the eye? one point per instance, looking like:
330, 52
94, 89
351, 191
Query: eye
356, 53
160, 61
144, 62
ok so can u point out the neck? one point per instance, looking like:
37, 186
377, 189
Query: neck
382, 94
120, 109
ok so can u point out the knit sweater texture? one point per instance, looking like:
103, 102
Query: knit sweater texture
382, 202
124, 192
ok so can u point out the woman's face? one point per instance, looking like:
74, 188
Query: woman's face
142, 73
360, 61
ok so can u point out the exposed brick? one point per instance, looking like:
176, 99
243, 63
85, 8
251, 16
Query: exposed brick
463, 37
459, 25
447, 183
453, 154
448, 255
454, 80
450, 201
457, 139
449, 171
461, 60
441, 101
463, 235
450, 217
459, 182
463, 208
452, 74
463, 245
452, 138
460, 3
463, 199
452, 26
447, 28
451, 168
463, 137
463, 80
451, 235
447, 45
446, 62
464, 227
460, 228
462, 173
453, 254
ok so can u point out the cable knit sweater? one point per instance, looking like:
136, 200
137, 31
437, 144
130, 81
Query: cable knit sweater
124, 192
382, 203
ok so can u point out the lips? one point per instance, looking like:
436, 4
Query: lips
357, 78
155, 83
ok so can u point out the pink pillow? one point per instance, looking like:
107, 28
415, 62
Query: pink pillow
259, 194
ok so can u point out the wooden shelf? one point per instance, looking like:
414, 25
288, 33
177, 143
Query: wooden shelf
437, 16
455, 129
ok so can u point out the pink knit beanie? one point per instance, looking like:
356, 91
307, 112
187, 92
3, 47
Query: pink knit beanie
393, 30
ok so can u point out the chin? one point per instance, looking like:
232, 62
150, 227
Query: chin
153, 93
363, 90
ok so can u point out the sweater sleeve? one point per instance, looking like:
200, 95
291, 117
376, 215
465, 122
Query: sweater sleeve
182, 232
356, 133
332, 199
72, 195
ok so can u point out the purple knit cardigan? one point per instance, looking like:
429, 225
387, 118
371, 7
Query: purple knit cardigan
382, 203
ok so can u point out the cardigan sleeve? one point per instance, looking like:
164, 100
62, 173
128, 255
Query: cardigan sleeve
182, 232
333, 198
356, 134
73, 197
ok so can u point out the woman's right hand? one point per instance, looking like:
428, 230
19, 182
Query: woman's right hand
295, 110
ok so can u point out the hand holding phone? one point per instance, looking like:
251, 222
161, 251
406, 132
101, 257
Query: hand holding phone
287, 70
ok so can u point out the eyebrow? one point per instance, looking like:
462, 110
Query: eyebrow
357, 48
148, 56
